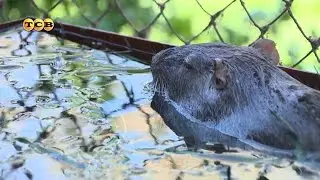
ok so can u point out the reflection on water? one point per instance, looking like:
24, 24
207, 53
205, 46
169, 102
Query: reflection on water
70, 112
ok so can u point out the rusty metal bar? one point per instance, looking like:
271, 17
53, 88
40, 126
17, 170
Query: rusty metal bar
10, 24
136, 47
307, 78
139, 48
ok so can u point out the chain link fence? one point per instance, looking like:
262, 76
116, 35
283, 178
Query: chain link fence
147, 19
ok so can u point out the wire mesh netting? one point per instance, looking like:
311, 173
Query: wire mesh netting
291, 24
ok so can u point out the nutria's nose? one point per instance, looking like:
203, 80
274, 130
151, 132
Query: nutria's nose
155, 59
160, 56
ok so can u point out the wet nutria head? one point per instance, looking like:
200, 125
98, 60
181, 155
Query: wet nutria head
211, 81
237, 91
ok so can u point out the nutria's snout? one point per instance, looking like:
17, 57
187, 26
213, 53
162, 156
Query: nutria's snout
159, 58
157, 69
155, 60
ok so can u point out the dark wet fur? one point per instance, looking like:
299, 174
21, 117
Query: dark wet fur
260, 105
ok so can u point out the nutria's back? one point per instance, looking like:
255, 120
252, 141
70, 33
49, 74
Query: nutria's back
234, 95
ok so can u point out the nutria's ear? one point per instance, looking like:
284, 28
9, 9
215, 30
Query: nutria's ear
268, 48
220, 73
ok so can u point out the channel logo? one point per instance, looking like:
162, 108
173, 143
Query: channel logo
38, 24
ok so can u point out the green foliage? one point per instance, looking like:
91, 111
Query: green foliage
14, 9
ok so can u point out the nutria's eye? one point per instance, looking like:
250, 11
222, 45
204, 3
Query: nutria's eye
220, 84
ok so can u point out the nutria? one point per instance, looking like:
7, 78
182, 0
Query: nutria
236, 96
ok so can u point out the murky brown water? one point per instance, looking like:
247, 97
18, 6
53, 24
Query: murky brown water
70, 112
